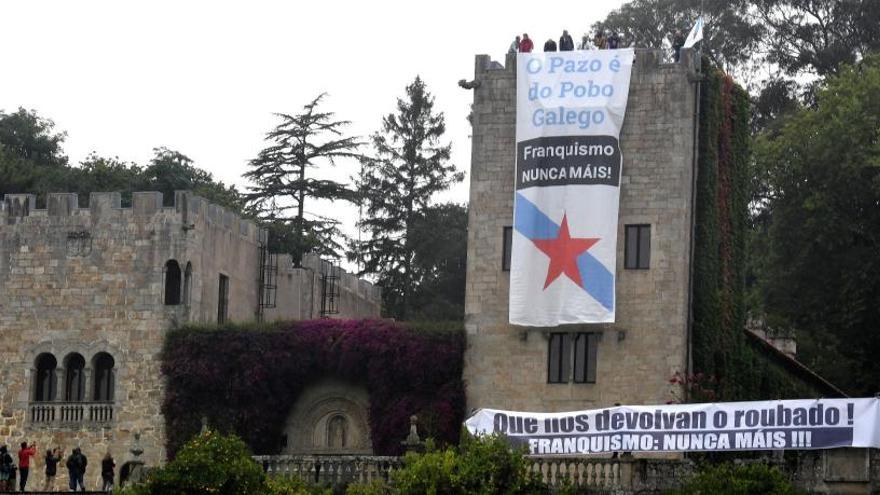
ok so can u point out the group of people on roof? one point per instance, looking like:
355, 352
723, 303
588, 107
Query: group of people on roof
602, 40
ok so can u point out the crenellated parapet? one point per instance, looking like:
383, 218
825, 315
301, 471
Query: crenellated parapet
189, 210
647, 60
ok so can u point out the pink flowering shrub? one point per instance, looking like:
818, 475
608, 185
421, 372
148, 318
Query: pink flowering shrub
245, 379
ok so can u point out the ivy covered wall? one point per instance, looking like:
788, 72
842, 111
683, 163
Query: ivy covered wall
740, 369
246, 378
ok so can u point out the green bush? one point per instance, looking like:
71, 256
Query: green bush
209, 463
738, 479
478, 466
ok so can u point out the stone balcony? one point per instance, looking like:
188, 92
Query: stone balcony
68, 414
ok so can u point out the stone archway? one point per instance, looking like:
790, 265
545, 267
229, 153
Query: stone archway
329, 417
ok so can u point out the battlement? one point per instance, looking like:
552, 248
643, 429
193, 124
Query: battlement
647, 60
189, 210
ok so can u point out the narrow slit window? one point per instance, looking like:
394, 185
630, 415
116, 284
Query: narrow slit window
223, 299
637, 247
507, 248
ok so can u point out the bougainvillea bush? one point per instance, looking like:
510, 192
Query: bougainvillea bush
245, 379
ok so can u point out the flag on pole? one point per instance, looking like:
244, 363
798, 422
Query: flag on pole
695, 35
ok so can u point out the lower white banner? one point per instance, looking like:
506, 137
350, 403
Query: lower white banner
724, 426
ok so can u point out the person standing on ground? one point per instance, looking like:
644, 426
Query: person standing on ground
5, 468
526, 45
550, 45
107, 468
24, 463
514, 46
76, 468
566, 44
53, 457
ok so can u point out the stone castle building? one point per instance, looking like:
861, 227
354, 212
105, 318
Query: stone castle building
87, 295
631, 361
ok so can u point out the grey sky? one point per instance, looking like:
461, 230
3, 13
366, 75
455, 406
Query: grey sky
204, 77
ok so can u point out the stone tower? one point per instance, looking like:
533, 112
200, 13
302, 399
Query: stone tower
585, 366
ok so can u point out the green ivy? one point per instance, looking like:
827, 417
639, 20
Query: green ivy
720, 346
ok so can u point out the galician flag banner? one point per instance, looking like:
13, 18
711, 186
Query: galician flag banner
714, 427
570, 108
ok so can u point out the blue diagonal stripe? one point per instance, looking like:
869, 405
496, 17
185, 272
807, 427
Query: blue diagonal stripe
534, 224
597, 280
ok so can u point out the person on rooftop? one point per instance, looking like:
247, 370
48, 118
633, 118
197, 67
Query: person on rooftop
514, 46
585, 43
526, 45
599, 40
613, 41
550, 45
566, 44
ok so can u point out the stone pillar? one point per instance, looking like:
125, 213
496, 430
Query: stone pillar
89, 392
59, 372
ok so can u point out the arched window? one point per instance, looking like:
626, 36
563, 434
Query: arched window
187, 282
74, 378
102, 369
172, 283
45, 378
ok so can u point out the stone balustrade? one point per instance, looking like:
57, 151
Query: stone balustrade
331, 469
70, 413
815, 471
583, 472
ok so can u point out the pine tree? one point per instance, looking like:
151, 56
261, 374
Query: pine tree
395, 187
282, 180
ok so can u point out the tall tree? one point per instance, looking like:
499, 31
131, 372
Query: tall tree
31, 158
729, 38
439, 240
822, 272
283, 179
817, 36
171, 170
408, 167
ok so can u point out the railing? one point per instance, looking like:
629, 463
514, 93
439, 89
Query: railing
71, 413
331, 469
583, 472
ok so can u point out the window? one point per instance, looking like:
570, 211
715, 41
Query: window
223, 299
45, 378
74, 378
187, 283
572, 357
172, 283
637, 254
103, 377
507, 248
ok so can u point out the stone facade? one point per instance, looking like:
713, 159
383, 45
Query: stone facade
80, 284
506, 367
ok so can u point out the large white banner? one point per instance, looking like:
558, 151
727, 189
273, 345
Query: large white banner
570, 108
726, 426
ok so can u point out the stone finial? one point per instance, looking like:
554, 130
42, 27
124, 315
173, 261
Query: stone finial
413, 442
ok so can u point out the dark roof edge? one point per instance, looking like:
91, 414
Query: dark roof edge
797, 366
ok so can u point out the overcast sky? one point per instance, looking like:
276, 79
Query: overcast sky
204, 77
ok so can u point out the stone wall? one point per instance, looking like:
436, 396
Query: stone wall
506, 366
300, 290
92, 280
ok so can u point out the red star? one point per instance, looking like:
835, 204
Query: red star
563, 252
